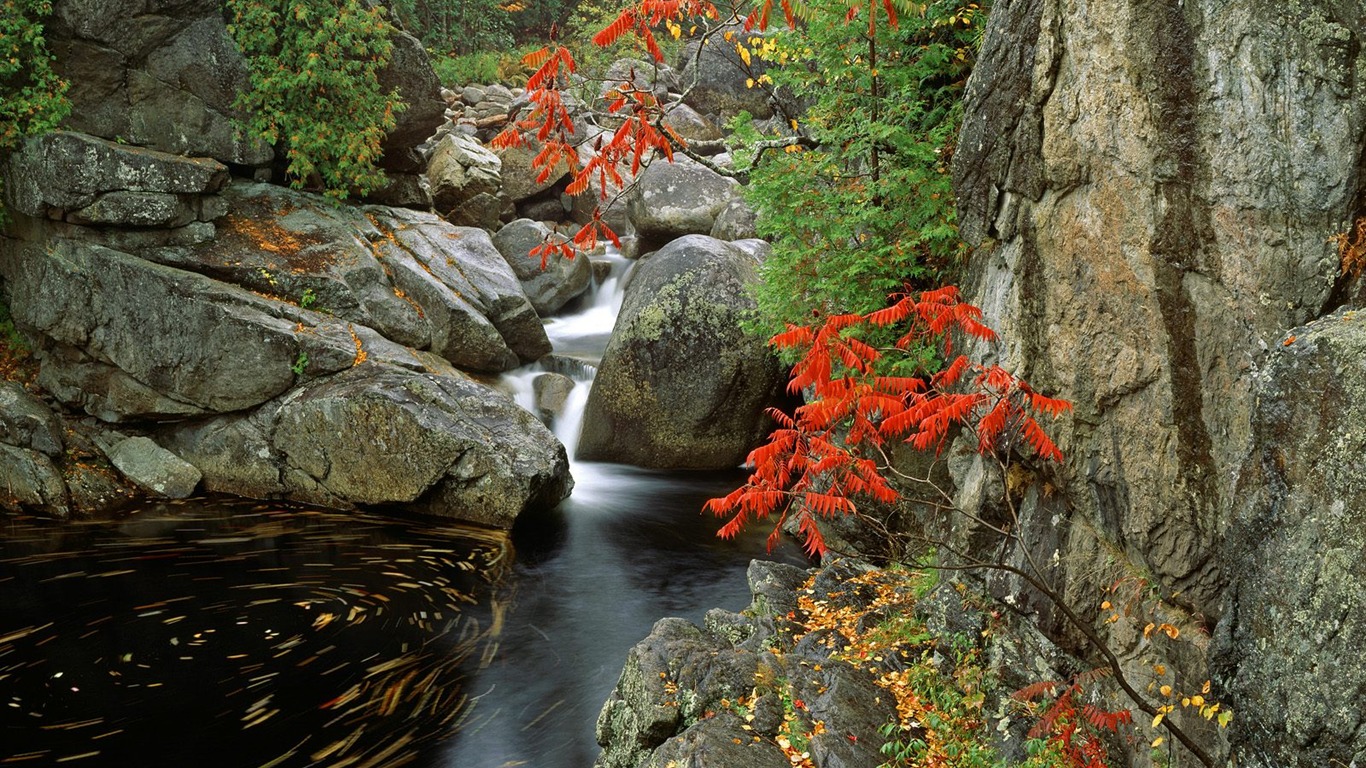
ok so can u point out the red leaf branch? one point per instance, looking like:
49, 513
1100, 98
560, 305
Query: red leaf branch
813, 466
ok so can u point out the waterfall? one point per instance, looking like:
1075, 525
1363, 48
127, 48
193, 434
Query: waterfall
578, 338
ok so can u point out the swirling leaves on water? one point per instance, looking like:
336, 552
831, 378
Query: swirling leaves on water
227, 633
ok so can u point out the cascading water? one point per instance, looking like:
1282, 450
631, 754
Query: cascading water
628, 548
579, 339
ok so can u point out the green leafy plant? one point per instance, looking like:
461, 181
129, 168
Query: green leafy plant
315, 91
864, 206
300, 364
32, 96
307, 299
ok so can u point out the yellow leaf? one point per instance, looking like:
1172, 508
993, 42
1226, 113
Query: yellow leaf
1159, 669
1166, 690
1158, 720
1197, 701
1205, 688
1148, 630
1157, 742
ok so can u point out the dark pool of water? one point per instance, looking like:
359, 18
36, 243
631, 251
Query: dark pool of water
232, 634
629, 548
235, 634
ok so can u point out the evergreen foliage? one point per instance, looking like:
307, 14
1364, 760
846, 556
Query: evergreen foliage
32, 96
315, 91
870, 210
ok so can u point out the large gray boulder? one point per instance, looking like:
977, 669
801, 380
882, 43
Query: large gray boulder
737, 221
691, 125
469, 268
681, 385
153, 468
673, 199
669, 680
29, 480
411, 276
521, 181
1293, 640
624, 75
553, 286
377, 434
123, 338
25, 422
717, 81
410, 74
163, 76
86, 180
466, 182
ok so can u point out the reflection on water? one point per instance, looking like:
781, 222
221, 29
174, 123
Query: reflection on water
227, 633
629, 548
230, 634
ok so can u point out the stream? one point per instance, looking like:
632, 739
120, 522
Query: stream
232, 633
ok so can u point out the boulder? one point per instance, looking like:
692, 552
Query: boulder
723, 741
551, 391
689, 124
681, 385
409, 72
411, 276
472, 94
29, 480
88, 180
737, 221
468, 269
1292, 644
377, 434
126, 338
672, 199
550, 287
26, 422
717, 81
625, 74
520, 180
164, 77
195, 342
682, 688
643, 712
466, 182
153, 468
402, 190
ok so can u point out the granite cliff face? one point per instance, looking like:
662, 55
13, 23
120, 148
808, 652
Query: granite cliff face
1151, 189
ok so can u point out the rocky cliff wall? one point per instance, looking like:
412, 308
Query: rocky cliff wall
1152, 188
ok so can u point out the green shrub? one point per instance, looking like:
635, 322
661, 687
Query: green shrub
486, 67
869, 210
315, 91
453, 70
32, 96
